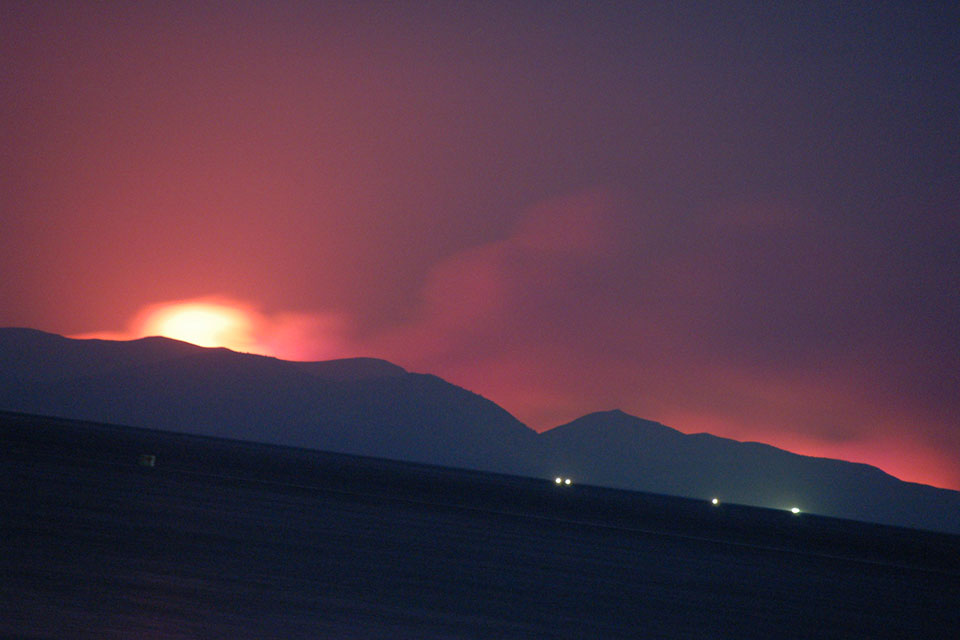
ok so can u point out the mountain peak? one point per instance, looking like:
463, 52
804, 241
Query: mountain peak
613, 420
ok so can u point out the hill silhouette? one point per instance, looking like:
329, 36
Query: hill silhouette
371, 407
619, 450
363, 406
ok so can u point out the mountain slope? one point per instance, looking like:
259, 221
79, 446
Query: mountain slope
371, 407
362, 406
615, 449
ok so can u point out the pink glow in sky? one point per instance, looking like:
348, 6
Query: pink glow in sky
741, 219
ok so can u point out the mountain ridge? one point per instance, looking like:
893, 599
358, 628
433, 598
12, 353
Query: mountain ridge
368, 406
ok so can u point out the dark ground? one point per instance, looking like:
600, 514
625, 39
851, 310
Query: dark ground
223, 539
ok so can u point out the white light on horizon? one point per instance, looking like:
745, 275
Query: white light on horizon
715, 502
795, 510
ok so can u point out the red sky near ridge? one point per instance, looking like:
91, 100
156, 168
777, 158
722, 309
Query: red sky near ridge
739, 219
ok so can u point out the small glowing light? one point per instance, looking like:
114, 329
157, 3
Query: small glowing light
567, 481
559, 480
795, 510
715, 502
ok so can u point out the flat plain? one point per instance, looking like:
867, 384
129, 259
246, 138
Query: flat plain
223, 539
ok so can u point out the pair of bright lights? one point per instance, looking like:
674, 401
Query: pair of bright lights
560, 480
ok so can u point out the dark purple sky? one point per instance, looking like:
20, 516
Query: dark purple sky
741, 218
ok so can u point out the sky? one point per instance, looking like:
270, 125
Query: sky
740, 218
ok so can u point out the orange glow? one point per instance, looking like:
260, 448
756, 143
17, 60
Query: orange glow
239, 326
206, 324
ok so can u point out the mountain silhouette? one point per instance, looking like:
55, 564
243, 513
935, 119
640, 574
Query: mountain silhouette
371, 407
615, 449
363, 406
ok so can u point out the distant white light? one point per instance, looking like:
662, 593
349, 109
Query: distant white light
567, 481
559, 480
715, 502
795, 510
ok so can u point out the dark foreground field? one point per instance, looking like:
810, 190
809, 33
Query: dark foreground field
222, 539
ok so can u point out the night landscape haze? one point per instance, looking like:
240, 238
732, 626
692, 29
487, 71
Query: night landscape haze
289, 288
